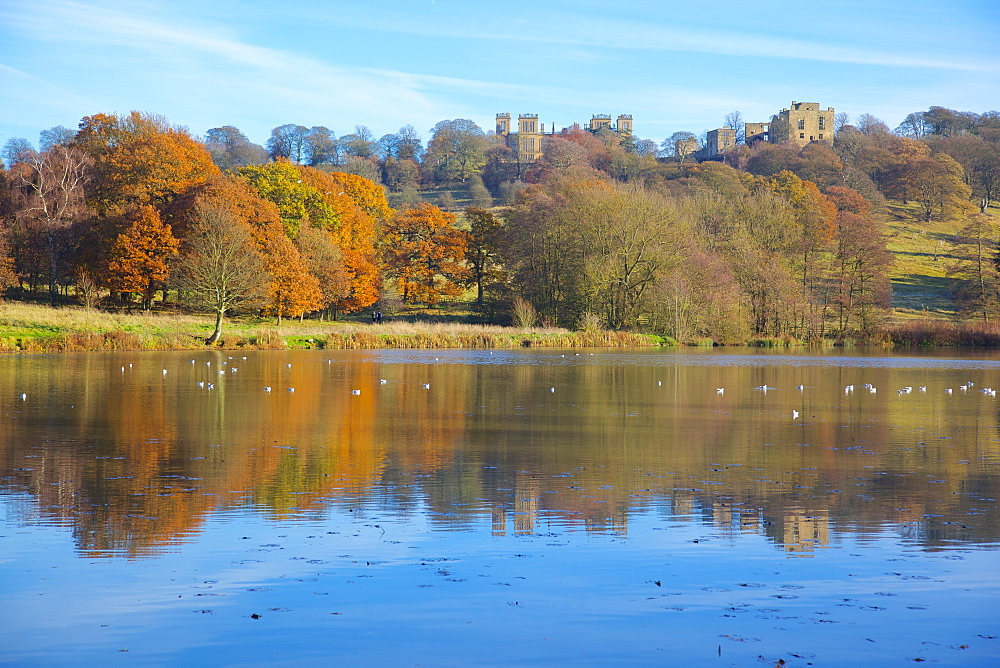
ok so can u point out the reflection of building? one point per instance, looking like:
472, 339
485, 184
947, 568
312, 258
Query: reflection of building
804, 533
528, 141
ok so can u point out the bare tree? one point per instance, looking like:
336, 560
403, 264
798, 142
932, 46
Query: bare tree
734, 120
48, 195
220, 267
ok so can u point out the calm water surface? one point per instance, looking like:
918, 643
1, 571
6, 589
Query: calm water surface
490, 508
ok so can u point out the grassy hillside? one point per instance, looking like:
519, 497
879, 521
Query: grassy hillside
924, 252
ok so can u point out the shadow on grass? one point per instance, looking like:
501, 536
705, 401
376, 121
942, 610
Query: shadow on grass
921, 292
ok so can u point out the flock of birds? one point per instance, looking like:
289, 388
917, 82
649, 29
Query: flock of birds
849, 389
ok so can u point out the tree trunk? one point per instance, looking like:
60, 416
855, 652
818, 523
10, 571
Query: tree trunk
218, 327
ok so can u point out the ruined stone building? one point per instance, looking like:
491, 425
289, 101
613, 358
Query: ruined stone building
716, 143
802, 123
528, 141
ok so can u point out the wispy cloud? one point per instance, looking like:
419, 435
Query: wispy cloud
576, 30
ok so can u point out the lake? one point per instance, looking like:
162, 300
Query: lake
536, 507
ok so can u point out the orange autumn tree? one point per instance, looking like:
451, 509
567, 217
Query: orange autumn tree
361, 209
425, 253
292, 289
140, 159
138, 258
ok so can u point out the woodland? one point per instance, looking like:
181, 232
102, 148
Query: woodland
772, 242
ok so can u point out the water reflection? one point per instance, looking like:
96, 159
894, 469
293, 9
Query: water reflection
135, 451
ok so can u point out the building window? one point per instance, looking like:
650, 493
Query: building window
820, 135
822, 123
802, 135
802, 124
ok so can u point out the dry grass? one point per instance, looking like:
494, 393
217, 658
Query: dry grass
34, 328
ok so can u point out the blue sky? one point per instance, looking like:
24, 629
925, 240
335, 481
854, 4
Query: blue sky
673, 65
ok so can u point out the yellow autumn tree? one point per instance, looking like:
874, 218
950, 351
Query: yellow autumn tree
361, 209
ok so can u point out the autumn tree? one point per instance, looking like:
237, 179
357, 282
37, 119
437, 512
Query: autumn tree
976, 274
140, 159
483, 254
324, 260
221, 267
139, 256
360, 210
936, 183
230, 148
424, 252
293, 291
300, 203
456, 150
48, 197
860, 273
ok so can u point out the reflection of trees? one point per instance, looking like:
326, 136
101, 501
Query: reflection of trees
134, 460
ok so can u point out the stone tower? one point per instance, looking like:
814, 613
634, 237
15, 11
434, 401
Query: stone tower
802, 123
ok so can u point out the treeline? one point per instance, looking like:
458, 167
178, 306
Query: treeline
776, 241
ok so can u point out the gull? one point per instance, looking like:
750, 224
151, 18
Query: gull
963, 387
795, 414
427, 386
922, 388
201, 383
267, 388
659, 383
192, 361
873, 390
356, 392
210, 386
720, 390
848, 389
947, 390
552, 389
123, 369
291, 389
800, 388
382, 381
24, 397
289, 366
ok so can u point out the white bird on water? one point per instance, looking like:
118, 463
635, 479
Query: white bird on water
552, 389
24, 397
800, 388
291, 389
720, 390
267, 388
795, 414
427, 386
383, 381
947, 390
356, 392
